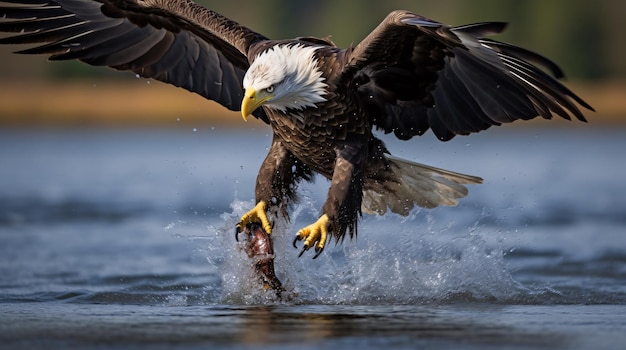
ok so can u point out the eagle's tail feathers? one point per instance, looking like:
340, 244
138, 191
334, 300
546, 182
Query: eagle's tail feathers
414, 184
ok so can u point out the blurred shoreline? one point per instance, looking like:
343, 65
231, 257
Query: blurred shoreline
147, 103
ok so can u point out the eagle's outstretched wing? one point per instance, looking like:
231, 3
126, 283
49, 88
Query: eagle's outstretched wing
174, 41
420, 74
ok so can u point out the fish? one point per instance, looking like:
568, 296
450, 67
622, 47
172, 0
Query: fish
259, 248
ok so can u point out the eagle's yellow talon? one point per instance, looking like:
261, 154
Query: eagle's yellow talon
257, 214
314, 235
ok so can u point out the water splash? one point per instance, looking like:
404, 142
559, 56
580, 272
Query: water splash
392, 262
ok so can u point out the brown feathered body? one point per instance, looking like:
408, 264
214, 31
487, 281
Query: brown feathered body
334, 140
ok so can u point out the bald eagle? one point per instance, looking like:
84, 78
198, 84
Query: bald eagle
323, 103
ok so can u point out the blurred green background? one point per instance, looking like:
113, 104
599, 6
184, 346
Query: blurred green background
584, 37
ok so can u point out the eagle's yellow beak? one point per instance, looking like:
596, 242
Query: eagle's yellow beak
253, 100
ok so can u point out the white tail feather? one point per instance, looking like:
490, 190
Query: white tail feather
414, 184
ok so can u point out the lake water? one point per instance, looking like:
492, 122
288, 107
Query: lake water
125, 239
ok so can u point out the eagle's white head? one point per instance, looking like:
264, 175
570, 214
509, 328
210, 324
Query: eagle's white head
283, 77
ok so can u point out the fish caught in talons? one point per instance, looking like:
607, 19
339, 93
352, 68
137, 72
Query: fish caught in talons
259, 248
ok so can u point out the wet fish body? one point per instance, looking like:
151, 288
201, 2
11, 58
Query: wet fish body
259, 248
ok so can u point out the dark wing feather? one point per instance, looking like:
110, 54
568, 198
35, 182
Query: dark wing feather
461, 82
174, 41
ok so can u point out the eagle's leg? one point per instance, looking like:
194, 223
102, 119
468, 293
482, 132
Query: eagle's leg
343, 204
317, 232
275, 185
256, 215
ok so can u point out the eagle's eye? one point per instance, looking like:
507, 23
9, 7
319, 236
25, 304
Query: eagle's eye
270, 89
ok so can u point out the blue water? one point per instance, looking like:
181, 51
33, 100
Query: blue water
125, 239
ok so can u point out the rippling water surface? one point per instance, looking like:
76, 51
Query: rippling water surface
124, 239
